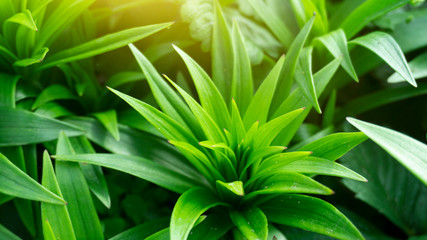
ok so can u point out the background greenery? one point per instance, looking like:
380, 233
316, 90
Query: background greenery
56, 57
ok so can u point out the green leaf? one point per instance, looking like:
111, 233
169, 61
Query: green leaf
366, 12
336, 43
391, 189
213, 227
122, 78
334, 145
165, 124
387, 48
18, 127
328, 115
310, 214
168, 100
103, 44
53, 110
408, 151
289, 183
55, 215
14, 182
315, 165
230, 190
51, 93
7, 90
109, 120
287, 74
222, 53
143, 230
7, 235
74, 187
252, 223
36, 58
242, 86
93, 174
210, 98
188, 209
137, 166
273, 22
259, 106
25, 19
48, 233
304, 77
417, 66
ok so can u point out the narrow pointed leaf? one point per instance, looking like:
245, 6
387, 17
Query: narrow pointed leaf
222, 53
103, 44
143, 230
74, 187
336, 43
56, 215
37, 57
408, 151
334, 145
213, 227
7, 90
387, 48
188, 209
7, 234
252, 223
417, 66
288, 70
137, 166
304, 77
210, 98
16, 183
259, 107
230, 190
310, 214
242, 86
168, 100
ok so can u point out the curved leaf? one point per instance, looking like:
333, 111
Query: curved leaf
252, 223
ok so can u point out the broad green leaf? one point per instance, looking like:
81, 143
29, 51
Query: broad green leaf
143, 230
16, 183
18, 127
336, 43
267, 132
408, 151
7, 90
210, 98
160, 235
242, 86
188, 209
93, 174
25, 19
168, 100
304, 77
335, 145
109, 120
277, 26
37, 57
103, 44
75, 190
417, 66
391, 189
222, 53
230, 191
259, 154
310, 214
258, 109
290, 182
315, 165
51, 93
366, 12
287, 74
137, 166
56, 215
387, 48
7, 234
53, 110
165, 124
252, 223
48, 233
